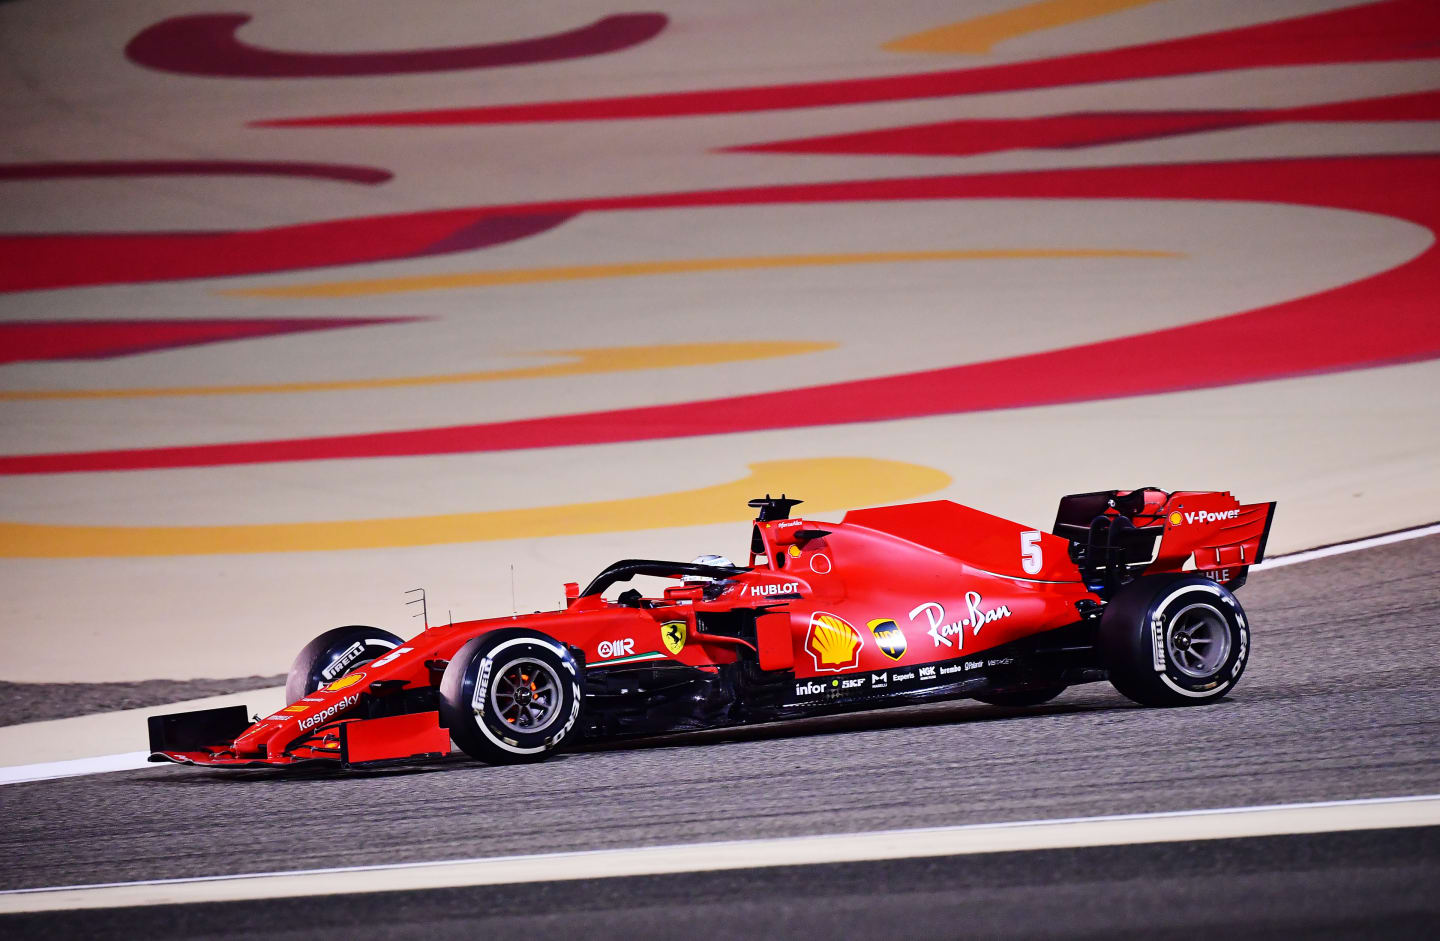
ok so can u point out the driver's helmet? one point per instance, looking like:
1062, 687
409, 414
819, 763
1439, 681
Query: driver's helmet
708, 559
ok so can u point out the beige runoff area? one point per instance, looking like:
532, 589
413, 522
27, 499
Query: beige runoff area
1346, 455
112, 733
112, 109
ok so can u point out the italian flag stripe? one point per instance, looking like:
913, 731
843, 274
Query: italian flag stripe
652, 655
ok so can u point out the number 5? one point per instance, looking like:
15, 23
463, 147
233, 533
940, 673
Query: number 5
1031, 559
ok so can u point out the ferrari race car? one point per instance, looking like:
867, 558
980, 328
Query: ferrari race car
890, 606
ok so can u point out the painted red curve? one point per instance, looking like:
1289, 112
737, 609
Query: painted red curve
206, 44
38, 262
965, 138
1384, 319
1392, 29
31, 340
56, 170
1382, 31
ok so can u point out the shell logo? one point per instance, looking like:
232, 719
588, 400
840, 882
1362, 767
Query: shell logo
345, 682
1175, 519
833, 644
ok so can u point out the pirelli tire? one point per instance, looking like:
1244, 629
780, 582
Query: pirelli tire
333, 654
511, 696
1174, 640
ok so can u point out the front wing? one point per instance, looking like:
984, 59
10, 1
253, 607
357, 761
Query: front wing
208, 736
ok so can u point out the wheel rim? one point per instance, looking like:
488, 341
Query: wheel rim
1198, 640
525, 694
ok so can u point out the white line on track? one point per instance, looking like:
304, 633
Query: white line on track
1220, 824
45, 770
1340, 548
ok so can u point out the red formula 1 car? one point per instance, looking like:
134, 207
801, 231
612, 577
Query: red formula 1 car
890, 606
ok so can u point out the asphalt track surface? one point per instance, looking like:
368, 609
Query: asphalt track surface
39, 702
1369, 884
1339, 702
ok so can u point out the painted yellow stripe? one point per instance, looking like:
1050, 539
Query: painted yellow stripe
982, 33
827, 483
484, 279
579, 363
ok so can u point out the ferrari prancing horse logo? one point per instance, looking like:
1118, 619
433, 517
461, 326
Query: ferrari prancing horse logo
673, 633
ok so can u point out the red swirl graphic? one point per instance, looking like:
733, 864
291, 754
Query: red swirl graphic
35, 262
205, 44
56, 170
30, 340
1375, 32
965, 138
1384, 319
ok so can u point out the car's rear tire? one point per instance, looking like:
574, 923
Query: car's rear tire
1174, 640
510, 696
1029, 696
333, 654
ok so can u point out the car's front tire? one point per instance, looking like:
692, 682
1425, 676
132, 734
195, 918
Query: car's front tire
1174, 640
511, 696
333, 654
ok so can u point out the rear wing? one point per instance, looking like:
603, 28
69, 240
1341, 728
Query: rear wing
1118, 535
1222, 536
